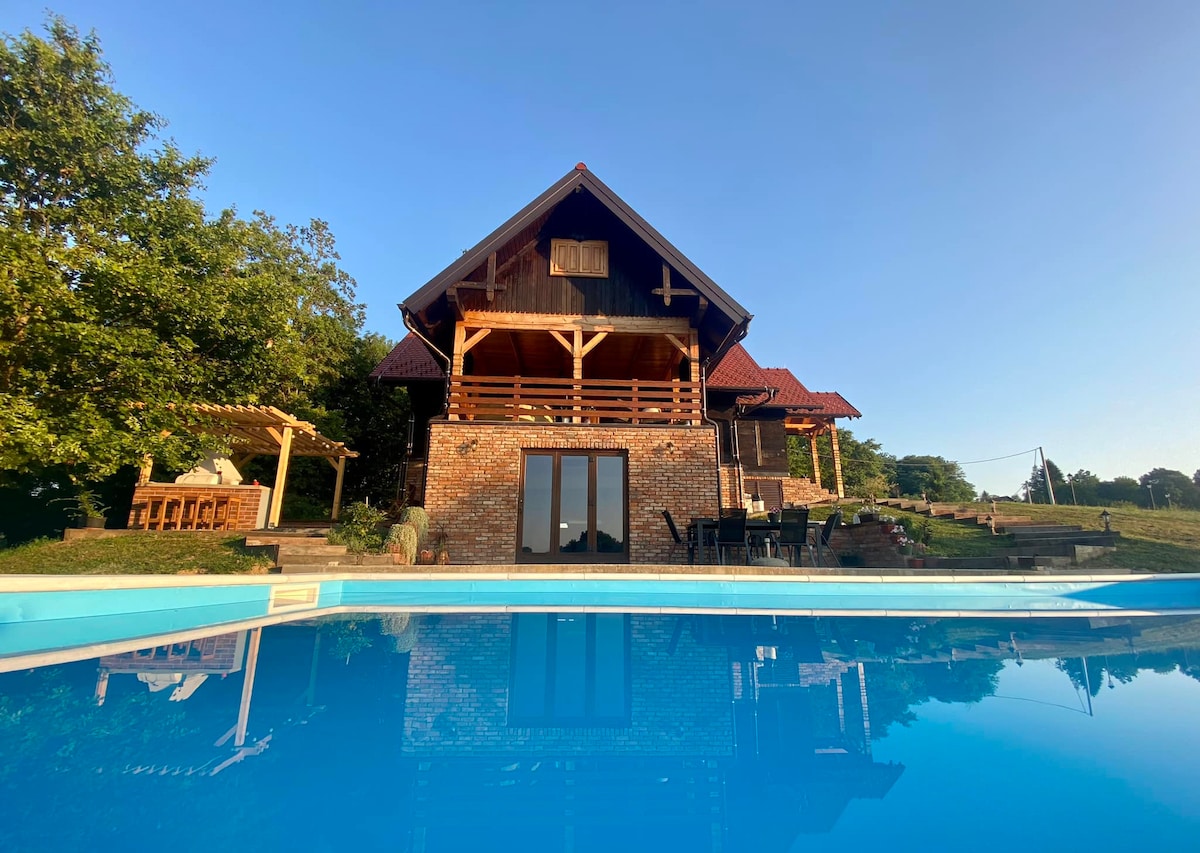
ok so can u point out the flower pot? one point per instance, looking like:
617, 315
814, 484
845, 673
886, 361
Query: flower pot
773, 517
92, 521
916, 562
865, 517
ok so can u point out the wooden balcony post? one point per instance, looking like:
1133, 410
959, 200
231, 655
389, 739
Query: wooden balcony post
816, 461
243, 720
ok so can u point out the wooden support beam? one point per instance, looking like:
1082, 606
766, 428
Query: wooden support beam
567, 345
460, 338
491, 277
101, 687
564, 323
837, 460
591, 345
337, 486
816, 461
145, 470
474, 339
239, 738
694, 355
666, 283
577, 363
679, 345
244, 459
285, 454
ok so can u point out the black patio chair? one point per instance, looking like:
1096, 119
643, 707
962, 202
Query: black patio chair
679, 541
793, 535
731, 533
830, 525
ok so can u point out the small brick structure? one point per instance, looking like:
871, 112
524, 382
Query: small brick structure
474, 481
872, 542
251, 503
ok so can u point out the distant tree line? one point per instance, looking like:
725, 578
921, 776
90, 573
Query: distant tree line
869, 472
1159, 488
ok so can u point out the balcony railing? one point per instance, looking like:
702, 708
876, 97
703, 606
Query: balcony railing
591, 401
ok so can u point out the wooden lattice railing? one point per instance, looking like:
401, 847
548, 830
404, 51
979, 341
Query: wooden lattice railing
523, 398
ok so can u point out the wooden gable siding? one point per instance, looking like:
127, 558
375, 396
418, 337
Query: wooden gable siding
524, 270
762, 446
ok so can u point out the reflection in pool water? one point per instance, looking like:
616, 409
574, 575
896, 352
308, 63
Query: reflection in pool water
537, 731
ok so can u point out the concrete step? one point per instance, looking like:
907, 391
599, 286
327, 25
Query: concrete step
1095, 538
1040, 529
320, 547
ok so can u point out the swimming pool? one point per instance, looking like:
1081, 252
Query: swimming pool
41, 615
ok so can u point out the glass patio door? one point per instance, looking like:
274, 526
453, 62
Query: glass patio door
572, 507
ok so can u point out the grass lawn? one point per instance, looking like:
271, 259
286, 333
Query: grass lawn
1151, 540
148, 553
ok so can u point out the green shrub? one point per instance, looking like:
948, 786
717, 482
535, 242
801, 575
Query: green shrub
402, 540
359, 529
418, 518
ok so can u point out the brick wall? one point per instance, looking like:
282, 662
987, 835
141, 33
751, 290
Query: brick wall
474, 475
248, 498
796, 490
873, 541
457, 701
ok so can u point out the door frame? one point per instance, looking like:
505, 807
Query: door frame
554, 555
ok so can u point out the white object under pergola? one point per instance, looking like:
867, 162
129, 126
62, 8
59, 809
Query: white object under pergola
267, 431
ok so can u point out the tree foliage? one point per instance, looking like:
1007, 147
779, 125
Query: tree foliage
936, 478
121, 301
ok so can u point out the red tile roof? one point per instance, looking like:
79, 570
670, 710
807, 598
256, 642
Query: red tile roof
738, 371
409, 360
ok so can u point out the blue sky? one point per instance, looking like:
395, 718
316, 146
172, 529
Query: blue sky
976, 221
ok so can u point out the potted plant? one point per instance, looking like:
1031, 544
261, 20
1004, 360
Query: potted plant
86, 509
774, 513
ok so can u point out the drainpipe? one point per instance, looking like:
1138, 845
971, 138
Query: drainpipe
735, 334
716, 429
406, 316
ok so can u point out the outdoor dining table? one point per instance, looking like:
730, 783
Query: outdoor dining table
760, 526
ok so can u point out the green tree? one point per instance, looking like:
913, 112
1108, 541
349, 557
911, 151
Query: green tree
1171, 489
1121, 490
121, 302
1036, 484
937, 478
865, 467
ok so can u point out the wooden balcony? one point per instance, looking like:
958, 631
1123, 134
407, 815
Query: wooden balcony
588, 401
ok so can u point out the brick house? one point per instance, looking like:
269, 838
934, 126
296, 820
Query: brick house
561, 374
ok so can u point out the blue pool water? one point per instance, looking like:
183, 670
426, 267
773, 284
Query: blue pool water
33, 621
598, 731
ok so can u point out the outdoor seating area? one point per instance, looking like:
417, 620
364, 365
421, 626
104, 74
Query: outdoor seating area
736, 538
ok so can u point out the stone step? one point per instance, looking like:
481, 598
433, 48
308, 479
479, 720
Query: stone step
1039, 529
320, 548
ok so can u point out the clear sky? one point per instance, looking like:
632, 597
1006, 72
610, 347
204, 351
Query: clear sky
978, 221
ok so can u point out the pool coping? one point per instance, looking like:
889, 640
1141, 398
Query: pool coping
52, 583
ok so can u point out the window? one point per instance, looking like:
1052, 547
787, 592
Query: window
569, 669
572, 507
587, 258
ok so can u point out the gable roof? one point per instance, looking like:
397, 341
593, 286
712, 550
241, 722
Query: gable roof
774, 387
409, 360
578, 177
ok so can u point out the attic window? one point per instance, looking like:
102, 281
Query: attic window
587, 258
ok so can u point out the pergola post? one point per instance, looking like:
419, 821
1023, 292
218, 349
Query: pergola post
837, 460
239, 738
816, 461
337, 486
285, 453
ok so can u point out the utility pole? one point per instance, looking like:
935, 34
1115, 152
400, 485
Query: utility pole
1071, 483
1150, 489
1046, 473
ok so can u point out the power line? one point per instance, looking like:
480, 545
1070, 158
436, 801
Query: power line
844, 460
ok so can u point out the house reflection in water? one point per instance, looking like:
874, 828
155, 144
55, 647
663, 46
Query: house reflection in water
706, 731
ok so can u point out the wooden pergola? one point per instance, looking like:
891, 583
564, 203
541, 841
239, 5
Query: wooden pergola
267, 431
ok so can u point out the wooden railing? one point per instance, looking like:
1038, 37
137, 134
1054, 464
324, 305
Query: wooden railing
523, 398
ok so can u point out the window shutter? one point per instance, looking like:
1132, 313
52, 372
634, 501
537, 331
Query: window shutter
587, 258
